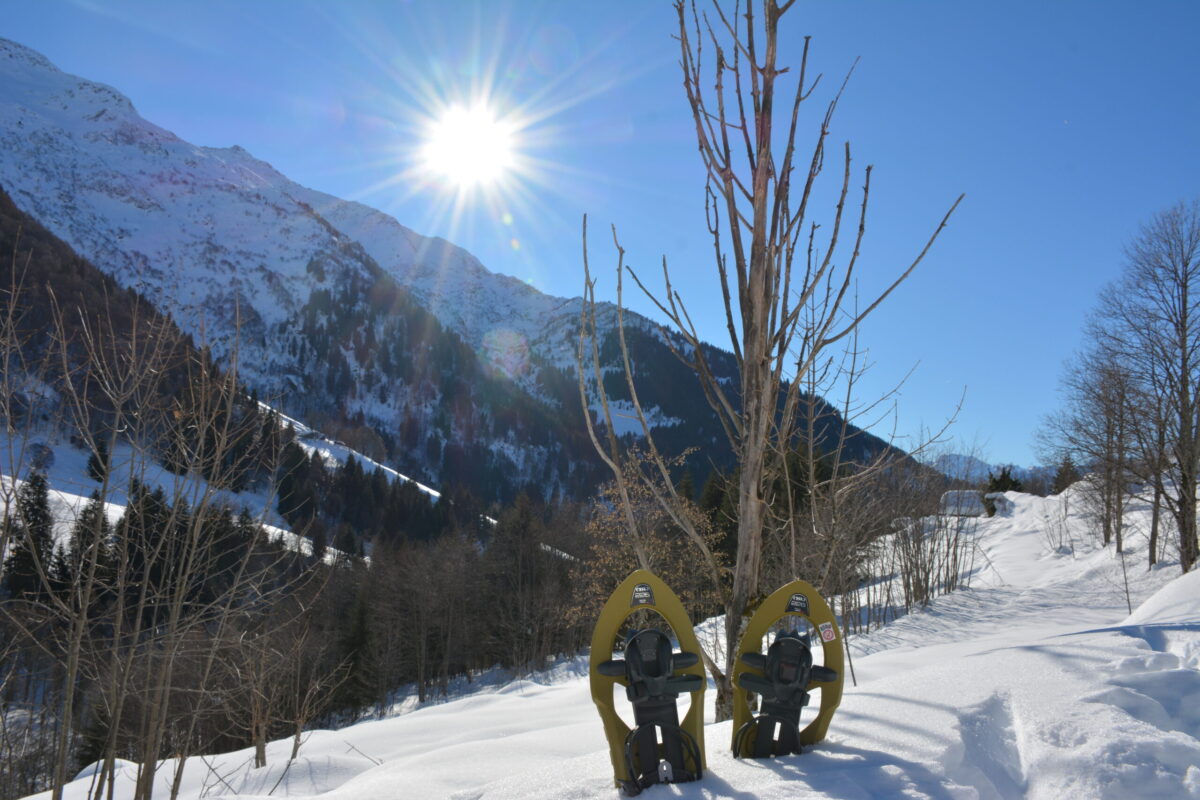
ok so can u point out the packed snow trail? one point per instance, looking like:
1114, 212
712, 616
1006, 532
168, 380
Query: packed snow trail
1034, 682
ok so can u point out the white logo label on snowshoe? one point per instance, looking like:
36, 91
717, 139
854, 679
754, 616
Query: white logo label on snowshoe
798, 605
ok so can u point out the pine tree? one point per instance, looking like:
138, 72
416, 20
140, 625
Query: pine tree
344, 540
296, 500
90, 540
687, 487
357, 647
61, 572
1066, 475
518, 574
316, 533
720, 507
147, 532
91, 529
228, 543
31, 534
97, 463
1004, 482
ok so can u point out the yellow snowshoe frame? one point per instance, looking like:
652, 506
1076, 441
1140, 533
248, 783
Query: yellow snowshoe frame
642, 590
797, 598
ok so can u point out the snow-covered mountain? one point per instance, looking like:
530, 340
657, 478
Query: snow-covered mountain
337, 312
402, 345
206, 230
969, 468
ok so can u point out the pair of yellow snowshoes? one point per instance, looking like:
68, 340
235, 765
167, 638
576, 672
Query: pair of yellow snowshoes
660, 748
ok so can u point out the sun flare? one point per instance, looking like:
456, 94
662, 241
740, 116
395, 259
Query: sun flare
469, 146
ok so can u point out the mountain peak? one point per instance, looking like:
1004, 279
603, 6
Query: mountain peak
39, 83
19, 53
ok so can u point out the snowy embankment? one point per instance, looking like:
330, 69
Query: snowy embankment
1035, 682
65, 467
333, 452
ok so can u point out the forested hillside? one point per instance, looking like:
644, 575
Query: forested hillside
165, 611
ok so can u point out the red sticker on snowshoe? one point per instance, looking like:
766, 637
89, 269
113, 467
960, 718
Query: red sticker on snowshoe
827, 632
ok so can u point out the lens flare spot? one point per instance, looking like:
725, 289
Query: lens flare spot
507, 350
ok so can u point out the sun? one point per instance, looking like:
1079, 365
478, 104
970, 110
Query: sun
470, 146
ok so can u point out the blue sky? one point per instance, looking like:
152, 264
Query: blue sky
1067, 124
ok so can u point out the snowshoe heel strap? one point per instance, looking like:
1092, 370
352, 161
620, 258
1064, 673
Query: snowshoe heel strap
683, 684
677, 762
766, 741
823, 674
756, 660
684, 659
753, 683
614, 668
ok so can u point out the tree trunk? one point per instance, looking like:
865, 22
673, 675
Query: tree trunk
1155, 514
1187, 518
260, 744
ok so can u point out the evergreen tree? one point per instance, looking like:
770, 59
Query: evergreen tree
720, 506
32, 540
296, 497
91, 529
147, 533
346, 501
228, 543
97, 463
357, 647
91, 539
687, 487
1066, 475
1004, 482
93, 738
61, 572
316, 534
345, 541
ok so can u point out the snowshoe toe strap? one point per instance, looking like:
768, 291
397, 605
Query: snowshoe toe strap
649, 666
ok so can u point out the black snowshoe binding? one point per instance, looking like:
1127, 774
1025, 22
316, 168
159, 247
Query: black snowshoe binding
788, 669
657, 750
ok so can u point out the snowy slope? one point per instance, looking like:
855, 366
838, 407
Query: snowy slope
71, 488
1035, 682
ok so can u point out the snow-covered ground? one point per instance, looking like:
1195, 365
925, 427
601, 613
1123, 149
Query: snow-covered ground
1034, 682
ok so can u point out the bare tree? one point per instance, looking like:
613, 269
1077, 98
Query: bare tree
774, 265
1096, 427
1146, 345
132, 614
